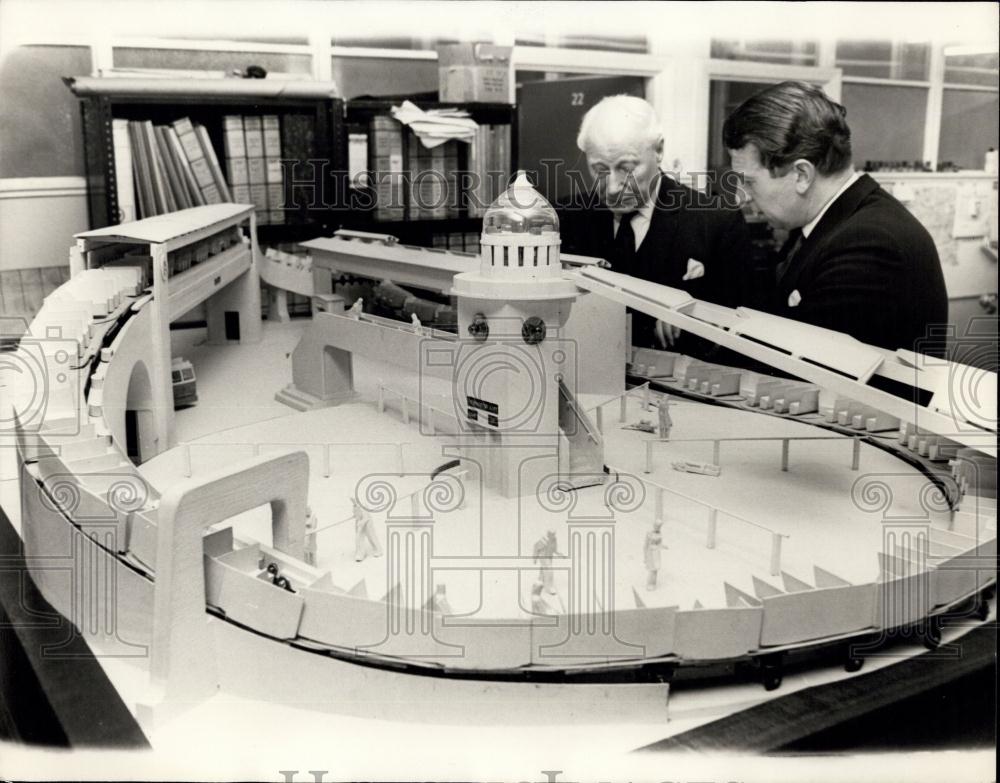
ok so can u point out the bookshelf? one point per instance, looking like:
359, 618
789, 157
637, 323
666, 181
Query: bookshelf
328, 121
409, 227
311, 130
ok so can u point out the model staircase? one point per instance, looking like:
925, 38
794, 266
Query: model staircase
300, 400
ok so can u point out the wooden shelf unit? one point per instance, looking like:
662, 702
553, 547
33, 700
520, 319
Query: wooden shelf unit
331, 119
358, 113
328, 145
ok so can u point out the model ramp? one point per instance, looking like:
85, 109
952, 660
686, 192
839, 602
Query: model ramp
583, 462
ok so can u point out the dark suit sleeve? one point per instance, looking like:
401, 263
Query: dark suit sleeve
576, 231
730, 260
860, 280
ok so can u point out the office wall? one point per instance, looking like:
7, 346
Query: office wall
40, 133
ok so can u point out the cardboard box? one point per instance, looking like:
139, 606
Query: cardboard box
475, 72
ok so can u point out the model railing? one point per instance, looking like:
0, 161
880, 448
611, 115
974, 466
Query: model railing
423, 410
711, 533
784, 439
327, 448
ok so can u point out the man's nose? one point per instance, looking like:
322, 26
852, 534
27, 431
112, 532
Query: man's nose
615, 184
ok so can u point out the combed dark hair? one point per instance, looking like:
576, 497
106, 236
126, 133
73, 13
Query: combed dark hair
789, 121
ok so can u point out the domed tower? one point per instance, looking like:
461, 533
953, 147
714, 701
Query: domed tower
514, 358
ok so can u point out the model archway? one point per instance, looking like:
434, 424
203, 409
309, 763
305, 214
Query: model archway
140, 433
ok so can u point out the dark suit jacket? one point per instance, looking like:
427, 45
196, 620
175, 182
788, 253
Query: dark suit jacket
868, 269
685, 224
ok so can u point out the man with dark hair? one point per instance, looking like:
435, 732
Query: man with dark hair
647, 224
856, 260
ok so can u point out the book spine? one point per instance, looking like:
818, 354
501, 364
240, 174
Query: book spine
196, 160
213, 162
451, 207
275, 191
191, 184
386, 145
438, 189
174, 181
141, 180
124, 184
234, 147
161, 191
272, 169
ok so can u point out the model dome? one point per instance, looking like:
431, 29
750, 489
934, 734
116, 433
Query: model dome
520, 210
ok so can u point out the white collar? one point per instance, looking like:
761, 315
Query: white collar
808, 227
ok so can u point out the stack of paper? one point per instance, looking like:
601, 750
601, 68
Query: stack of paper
436, 126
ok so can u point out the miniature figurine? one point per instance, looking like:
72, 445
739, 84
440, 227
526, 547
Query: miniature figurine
365, 540
664, 416
538, 603
417, 326
277, 580
705, 468
545, 549
644, 425
651, 553
357, 308
440, 598
309, 547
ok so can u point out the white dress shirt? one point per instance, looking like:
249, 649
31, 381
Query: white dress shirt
642, 217
808, 227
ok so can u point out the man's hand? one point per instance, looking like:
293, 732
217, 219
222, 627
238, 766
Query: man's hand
666, 334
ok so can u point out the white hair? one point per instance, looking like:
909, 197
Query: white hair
635, 110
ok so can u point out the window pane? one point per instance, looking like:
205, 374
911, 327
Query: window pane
605, 43
356, 76
190, 60
383, 42
786, 52
972, 68
884, 59
887, 122
969, 127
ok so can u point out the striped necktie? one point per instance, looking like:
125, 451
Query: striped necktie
790, 249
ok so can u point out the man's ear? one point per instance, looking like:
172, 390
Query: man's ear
658, 149
805, 175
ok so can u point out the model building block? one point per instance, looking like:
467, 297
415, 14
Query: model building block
694, 374
647, 360
766, 400
802, 400
723, 383
763, 388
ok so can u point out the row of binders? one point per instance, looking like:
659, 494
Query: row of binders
489, 167
430, 183
164, 168
253, 161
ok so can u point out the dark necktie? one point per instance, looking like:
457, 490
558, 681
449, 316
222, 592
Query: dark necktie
624, 243
789, 250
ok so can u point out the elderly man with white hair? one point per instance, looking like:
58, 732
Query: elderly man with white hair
647, 224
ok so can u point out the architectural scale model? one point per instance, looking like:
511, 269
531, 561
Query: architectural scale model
483, 534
